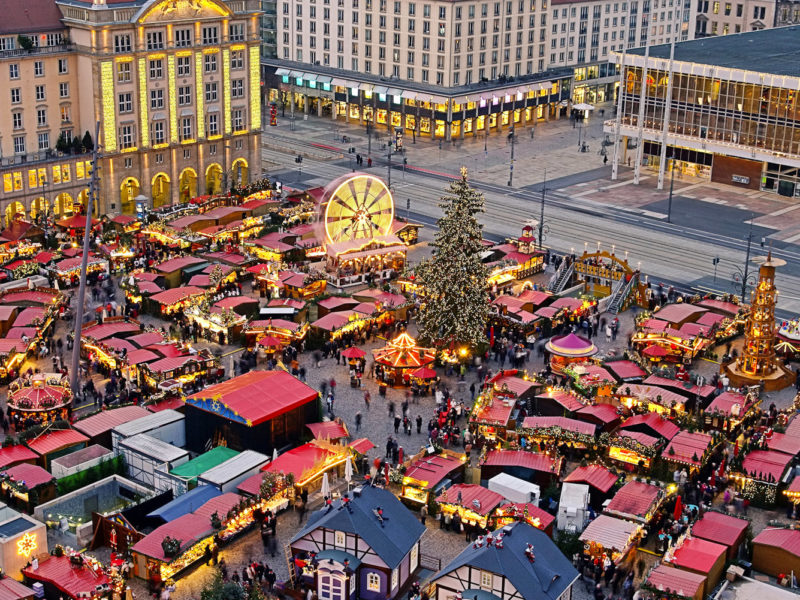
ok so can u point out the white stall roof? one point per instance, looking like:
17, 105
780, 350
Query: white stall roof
234, 467
154, 448
148, 423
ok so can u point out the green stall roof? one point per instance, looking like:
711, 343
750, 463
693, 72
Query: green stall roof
205, 462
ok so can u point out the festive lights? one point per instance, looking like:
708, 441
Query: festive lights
27, 544
109, 120
173, 101
255, 88
199, 94
226, 90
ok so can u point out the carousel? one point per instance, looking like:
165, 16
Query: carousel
357, 212
568, 349
41, 399
787, 340
399, 358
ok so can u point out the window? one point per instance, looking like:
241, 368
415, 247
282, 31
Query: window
159, 136
236, 32
156, 68
44, 141
63, 66
126, 136
16, 119
184, 66
373, 582
395, 577
40, 96
184, 95
159, 157
237, 116
183, 37
156, 99
210, 63
38, 68
126, 102
41, 117
339, 536
212, 149
122, 43
155, 40
19, 144
211, 91
13, 71
63, 90
123, 72
65, 114
213, 124
487, 579
16, 98
237, 88
237, 59
187, 154
186, 129
210, 35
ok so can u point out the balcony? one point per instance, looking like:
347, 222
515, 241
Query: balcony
37, 51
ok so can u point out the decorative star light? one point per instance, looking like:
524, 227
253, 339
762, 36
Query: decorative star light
26, 544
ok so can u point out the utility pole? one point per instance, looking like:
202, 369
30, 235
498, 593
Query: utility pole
541, 214
513, 139
369, 140
671, 188
747, 259
389, 168
87, 232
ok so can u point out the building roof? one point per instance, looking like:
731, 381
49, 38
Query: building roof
147, 422
59, 571
775, 51
561, 422
566, 399
55, 440
204, 462
146, 339
235, 466
634, 500
299, 460
678, 313
685, 446
610, 532
185, 503
106, 420
532, 510
33, 296
176, 264
607, 413
727, 401
766, 465
681, 387
788, 444
513, 381
177, 294
625, 370
651, 393
496, 413
390, 540
29, 475
189, 528
250, 486
720, 528
28, 316
153, 447
108, 329
519, 458
11, 455
597, 476
655, 423
698, 555
30, 16
170, 363
334, 320
545, 578
785, 539
77, 457
476, 498
330, 430
684, 583
11, 589
221, 505
432, 469
255, 397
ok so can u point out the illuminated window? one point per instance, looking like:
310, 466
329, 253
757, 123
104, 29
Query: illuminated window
373, 582
123, 72
487, 579
17, 181
66, 117
65, 174
56, 174
339, 539
8, 183
184, 66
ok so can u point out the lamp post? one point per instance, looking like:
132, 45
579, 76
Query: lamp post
542, 228
743, 275
513, 139
671, 188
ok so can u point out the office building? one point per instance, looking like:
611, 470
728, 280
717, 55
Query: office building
715, 17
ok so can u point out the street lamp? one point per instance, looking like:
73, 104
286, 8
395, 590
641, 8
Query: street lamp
671, 187
742, 275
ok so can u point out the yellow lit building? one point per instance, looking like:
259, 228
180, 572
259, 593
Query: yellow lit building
174, 84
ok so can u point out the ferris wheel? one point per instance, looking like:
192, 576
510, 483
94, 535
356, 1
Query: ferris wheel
358, 207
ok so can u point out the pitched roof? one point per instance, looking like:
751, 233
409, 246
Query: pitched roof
391, 541
728, 307
185, 503
720, 528
176, 264
677, 313
532, 510
681, 387
786, 539
106, 420
607, 413
520, 458
30, 475
476, 498
146, 339
299, 460
782, 442
726, 401
330, 430
684, 583
545, 578
561, 422
625, 369
30, 16
698, 554
108, 329
11, 589
257, 396
685, 446
634, 500
596, 476
610, 532
177, 294
11, 455
513, 381
655, 422
59, 571
188, 528
55, 440
432, 469
566, 399
496, 413
760, 464
652, 394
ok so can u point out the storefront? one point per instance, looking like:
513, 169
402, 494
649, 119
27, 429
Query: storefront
426, 475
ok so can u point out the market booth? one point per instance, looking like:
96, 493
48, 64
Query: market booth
601, 482
685, 584
541, 469
776, 552
727, 411
175, 300
700, 557
689, 449
75, 576
722, 529
636, 501
557, 402
558, 430
26, 486
474, 504
428, 474
610, 536
260, 410
530, 513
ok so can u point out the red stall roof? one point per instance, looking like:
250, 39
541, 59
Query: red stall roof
28, 315
516, 385
330, 430
259, 396
176, 264
681, 387
275, 324
11, 589
106, 420
106, 330
685, 583
252, 485
141, 355
728, 307
634, 499
533, 511
58, 571
698, 555
678, 313
563, 422
684, 446
651, 393
663, 427
175, 295
607, 413
596, 476
11, 455
519, 458
298, 460
785, 539
218, 504
55, 440
642, 438
473, 497
625, 369
497, 413
34, 296
31, 475
189, 528
725, 402
759, 464
720, 528
432, 469
781, 442
566, 399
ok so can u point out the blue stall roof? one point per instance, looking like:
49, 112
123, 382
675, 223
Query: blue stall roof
185, 503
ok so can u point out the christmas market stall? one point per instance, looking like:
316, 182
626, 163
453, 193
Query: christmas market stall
308, 463
287, 332
399, 357
698, 556
631, 449
177, 368
666, 581
600, 479
661, 337
260, 410
26, 486
548, 431
727, 411
567, 349
759, 473
557, 402
474, 504
651, 398
68, 270
775, 552
636, 501
612, 537
541, 469
605, 416
71, 575
22, 538
690, 450
511, 512
626, 371
223, 325
175, 300
426, 474
12, 355
39, 400
591, 380
721, 528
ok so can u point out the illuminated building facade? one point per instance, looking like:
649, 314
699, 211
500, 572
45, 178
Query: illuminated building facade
174, 84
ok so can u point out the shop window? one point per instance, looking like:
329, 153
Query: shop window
373, 582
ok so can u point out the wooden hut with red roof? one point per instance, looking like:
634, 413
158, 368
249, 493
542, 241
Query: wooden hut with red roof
688, 449
474, 504
601, 481
557, 402
426, 475
702, 557
626, 371
669, 580
727, 411
636, 501
259, 410
55, 443
605, 417
540, 469
776, 551
722, 529
63, 578
510, 512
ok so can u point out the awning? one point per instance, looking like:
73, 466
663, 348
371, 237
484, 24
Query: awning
395, 92
187, 112
351, 84
324, 79
379, 89
159, 116
309, 77
281, 72
337, 81
409, 94
212, 108
365, 87
545, 85
438, 99
295, 74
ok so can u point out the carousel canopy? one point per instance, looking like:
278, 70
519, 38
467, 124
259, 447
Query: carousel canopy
269, 341
353, 352
571, 346
75, 222
403, 353
39, 393
424, 373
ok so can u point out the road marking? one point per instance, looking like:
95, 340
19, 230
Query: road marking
654, 215
794, 238
764, 225
783, 211
712, 200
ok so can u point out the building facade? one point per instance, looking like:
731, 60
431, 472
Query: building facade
787, 12
174, 85
715, 17
726, 107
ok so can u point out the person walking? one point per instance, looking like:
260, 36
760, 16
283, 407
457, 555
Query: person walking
367, 399
358, 421
423, 513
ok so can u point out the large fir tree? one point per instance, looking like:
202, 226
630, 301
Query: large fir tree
455, 307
